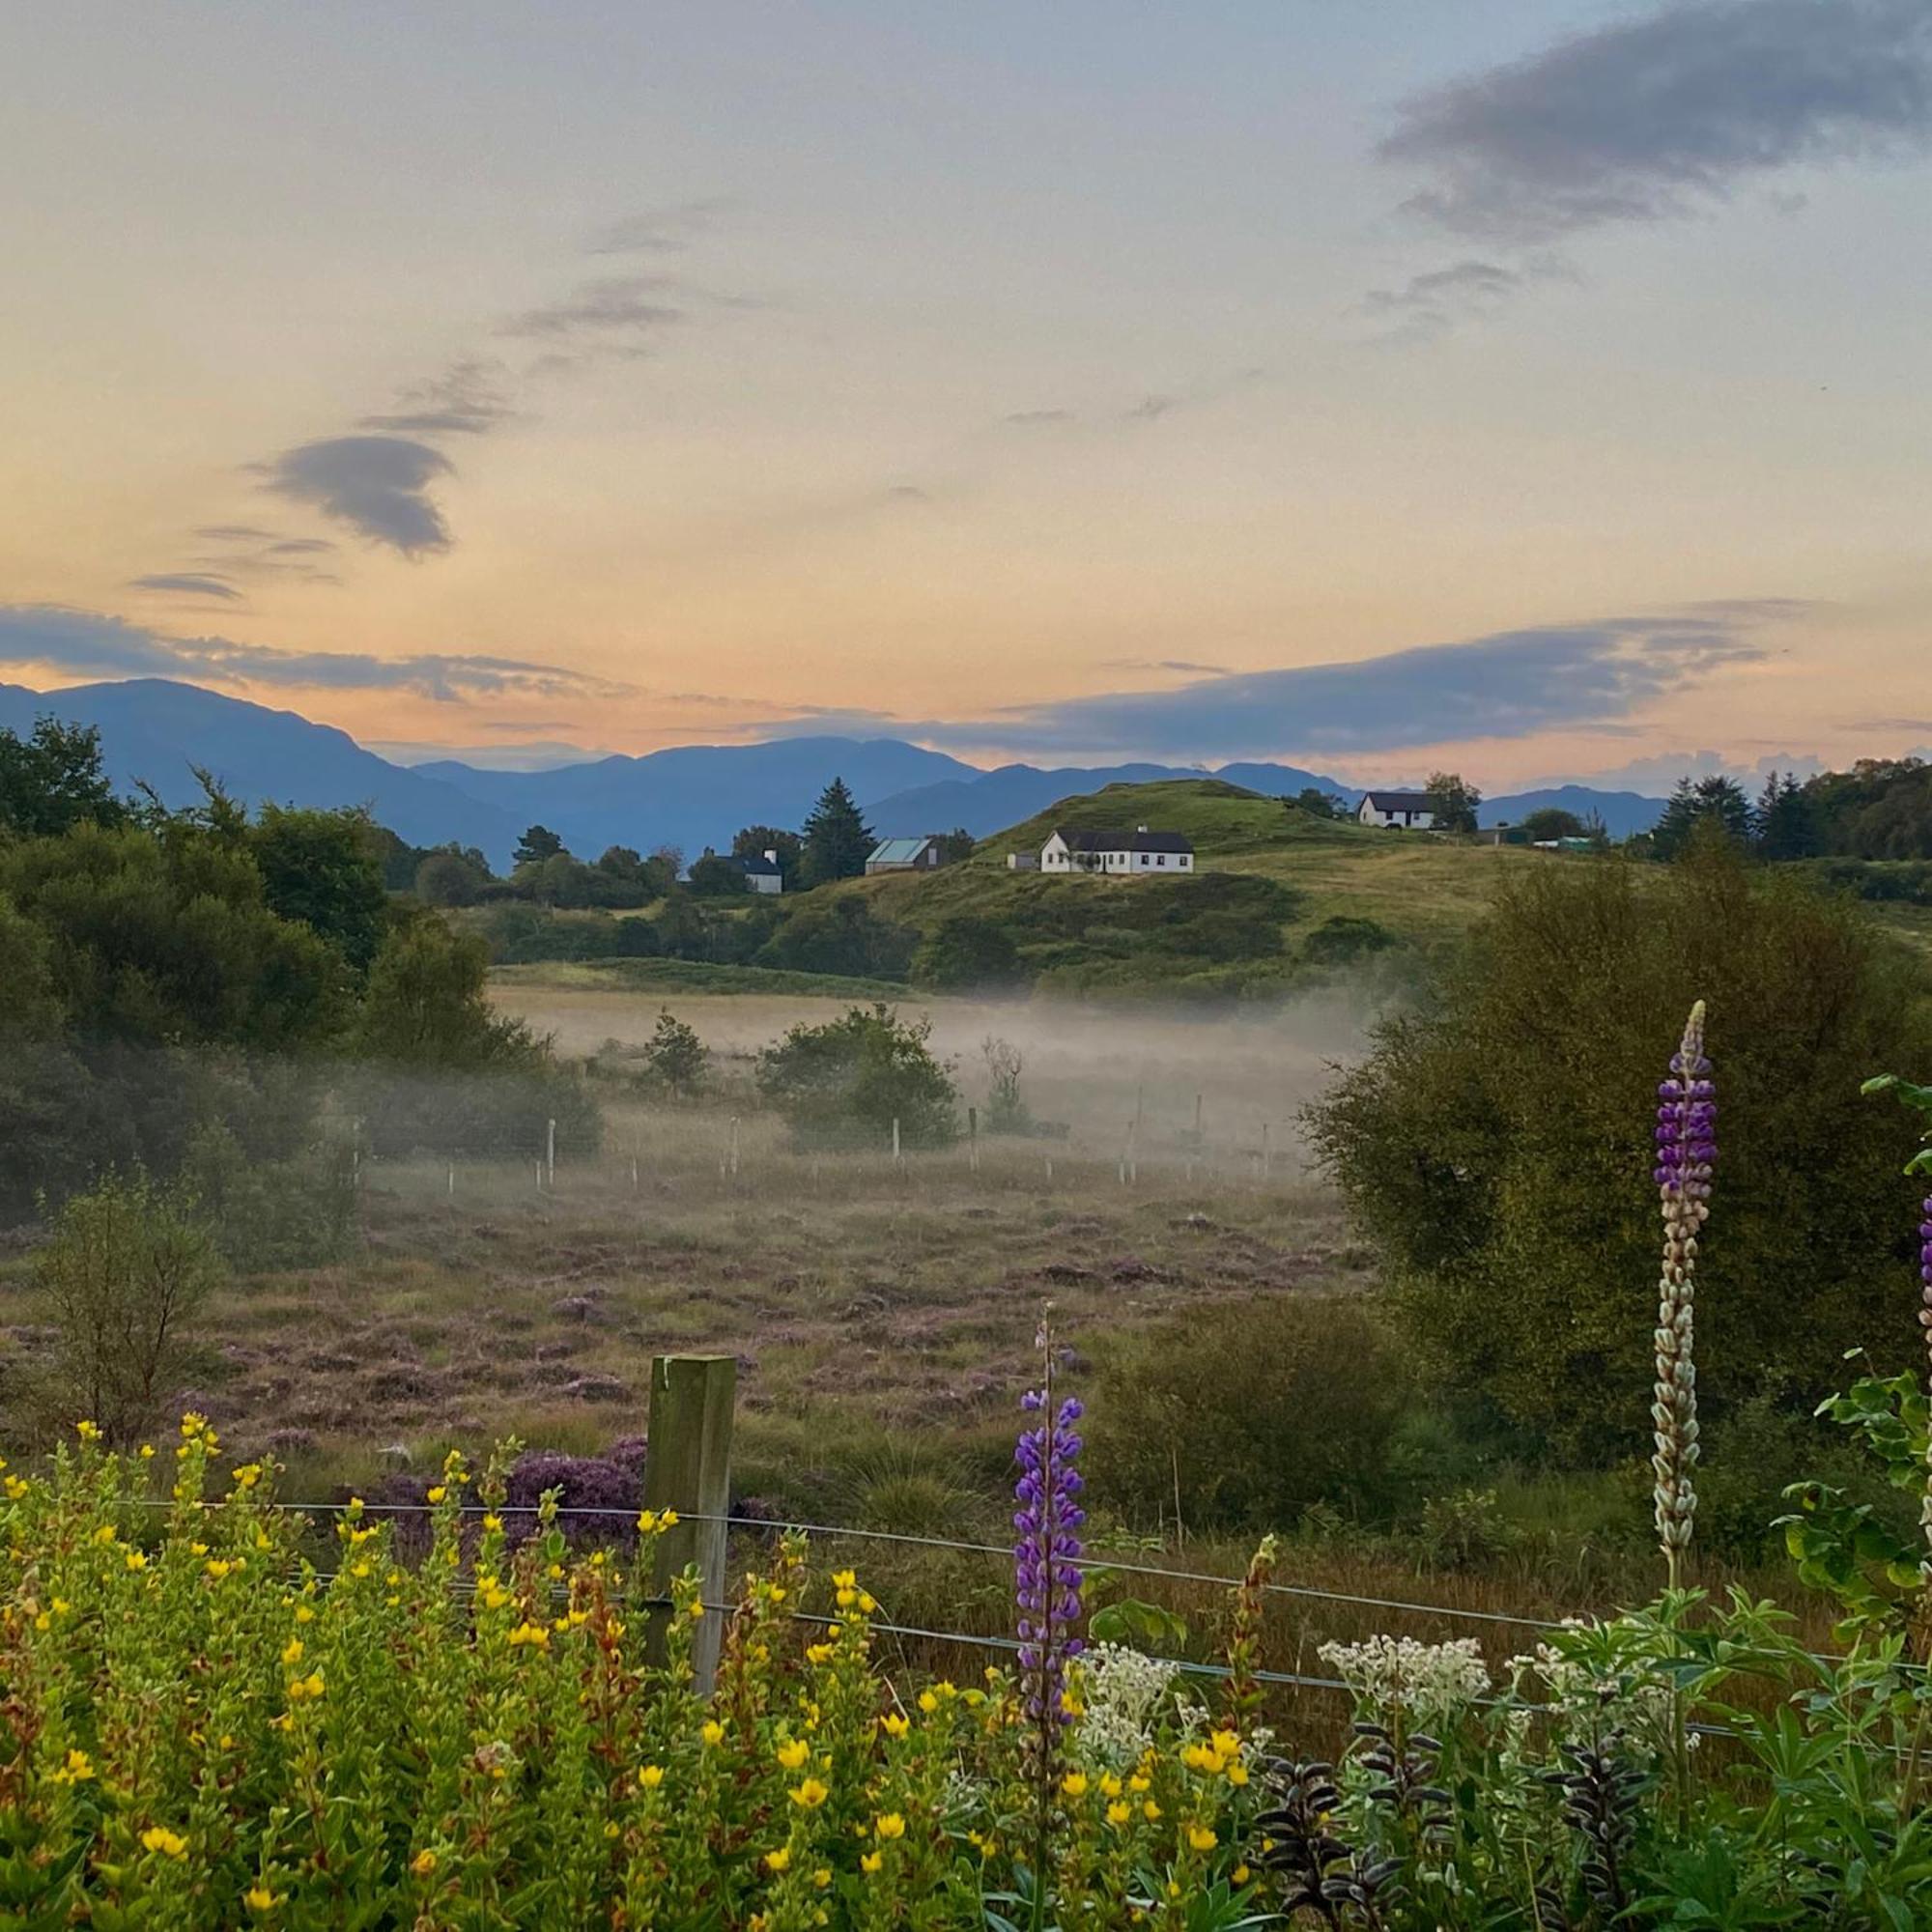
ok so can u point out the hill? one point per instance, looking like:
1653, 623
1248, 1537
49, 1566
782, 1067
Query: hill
1281, 898
155, 731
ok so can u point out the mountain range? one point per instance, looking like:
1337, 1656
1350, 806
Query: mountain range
157, 732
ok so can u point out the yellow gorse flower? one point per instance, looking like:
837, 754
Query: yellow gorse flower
170, 1844
527, 1634
810, 1794
890, 1825
793, 1755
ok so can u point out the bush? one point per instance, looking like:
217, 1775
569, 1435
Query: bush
1496, 1146
1243, 1415
1340, 939
839, 935
844, 1083
674, 1057
965, 954
123, 1277
296, 1212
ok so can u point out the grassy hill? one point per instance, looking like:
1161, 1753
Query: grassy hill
1280, 895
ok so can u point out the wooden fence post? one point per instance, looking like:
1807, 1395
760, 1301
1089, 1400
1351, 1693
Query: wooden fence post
896, 1139
688, 1468
973, 1140
550, 1153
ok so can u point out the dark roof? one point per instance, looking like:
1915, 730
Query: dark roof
757, 864
1398, 801
1125, 841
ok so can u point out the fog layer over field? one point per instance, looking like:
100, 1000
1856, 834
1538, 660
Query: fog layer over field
1088, 1069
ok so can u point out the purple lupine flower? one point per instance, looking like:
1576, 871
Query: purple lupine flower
1686, 1147
1046, 1554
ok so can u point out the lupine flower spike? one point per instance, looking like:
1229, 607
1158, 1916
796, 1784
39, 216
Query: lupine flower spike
1686, 1149
1046, 1582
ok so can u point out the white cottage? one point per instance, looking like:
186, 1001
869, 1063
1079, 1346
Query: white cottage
1405, 810
1138, 854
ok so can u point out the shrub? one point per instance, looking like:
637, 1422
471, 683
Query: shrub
1497, 1145
966, 953
674, 1057
127, 1269
1242, 1414
1338, 939
845, 1082
839, 935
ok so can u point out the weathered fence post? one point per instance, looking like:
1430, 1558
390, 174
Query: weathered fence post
972, 1140
550, 1153
688, 1468
896, 1140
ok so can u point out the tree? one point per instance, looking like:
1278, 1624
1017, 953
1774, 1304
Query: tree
1717, 803
674, 1056
955, 846
1318, 803
755, 840
127, 1270
1496, 1146
426, 1004
1453, 802
845, 1082
449, 877
840, 935
1550, 822
716, 878
965, 953
538, 843
1786, 819
52, 780
324, 869
1006, 1110
838, 841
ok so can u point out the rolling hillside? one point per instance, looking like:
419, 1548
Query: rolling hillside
1280, 895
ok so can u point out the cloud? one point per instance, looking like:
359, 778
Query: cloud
378, 485
89, 643
188, 584
1653, 118
1512, 684
1180, 666
657, 231
1040, 419
1431, 303
466, 400
617, 306
1148, 408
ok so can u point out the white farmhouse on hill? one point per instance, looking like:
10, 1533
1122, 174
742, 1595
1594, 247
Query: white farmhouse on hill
1405, 810
1135, 854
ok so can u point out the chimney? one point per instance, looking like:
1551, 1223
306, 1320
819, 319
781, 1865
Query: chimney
771, 855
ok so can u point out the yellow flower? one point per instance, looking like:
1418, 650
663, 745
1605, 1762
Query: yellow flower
694, 1609
778, 1860
136, 1561
170, 1844
304, 1615
1202, 1837
792, 1756
217, 1567
817, 1652
291, 1651
1110, 1784
438, 1493
844, 1579
822, 1877
77, 1769
88, 1432
712, 1732
248, 1475
1074, 1784
870, 1861
811, 1793
105, 1534
1242, 1874
651, 1776
1238, 1773
258, 1898
928, 1702
16, 1488
423, 1863
310, 1686
1150, 1811
147, 1452
893, 1726
530, 1633
890, 1826
1227, 1744
1118, 1812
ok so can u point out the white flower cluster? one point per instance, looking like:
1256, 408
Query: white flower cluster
1120, 1691
1587, 1700
1428, 1680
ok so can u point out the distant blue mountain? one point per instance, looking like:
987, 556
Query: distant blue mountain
696, 795
1623, 812
156, 731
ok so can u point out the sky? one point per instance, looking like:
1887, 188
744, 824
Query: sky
1537, 389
